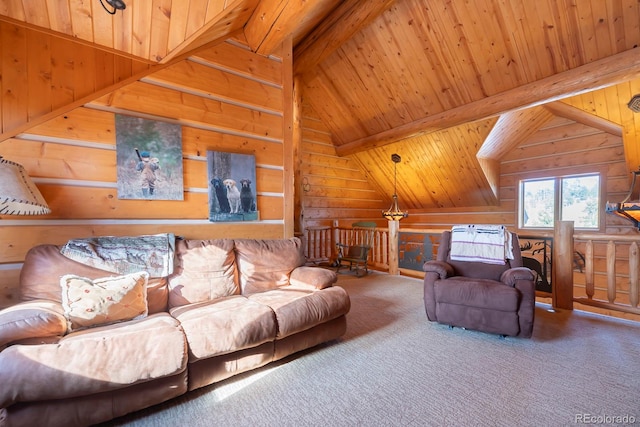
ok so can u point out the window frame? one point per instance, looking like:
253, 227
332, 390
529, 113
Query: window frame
557, 175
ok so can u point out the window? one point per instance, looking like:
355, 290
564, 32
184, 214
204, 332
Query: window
569, 198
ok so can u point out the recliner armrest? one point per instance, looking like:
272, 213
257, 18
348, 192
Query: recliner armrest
511, 276
312, 277
31, 319
443, 269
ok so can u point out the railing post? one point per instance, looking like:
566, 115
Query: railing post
611, 271
336, 239
393, 247
562, 273
588, 270
634, 263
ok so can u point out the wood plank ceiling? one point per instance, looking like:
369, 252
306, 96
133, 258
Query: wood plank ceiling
436, 75
451, 85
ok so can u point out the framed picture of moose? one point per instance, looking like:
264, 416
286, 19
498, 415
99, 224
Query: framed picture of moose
232, 187
149, 159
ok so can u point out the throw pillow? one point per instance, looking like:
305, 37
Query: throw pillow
93, 302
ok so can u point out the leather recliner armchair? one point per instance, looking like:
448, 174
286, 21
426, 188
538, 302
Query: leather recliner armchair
498, 299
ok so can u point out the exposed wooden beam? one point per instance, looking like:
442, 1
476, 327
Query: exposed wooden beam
577, 115
219, 28
10, 133
346, 20
274, 20
586, 78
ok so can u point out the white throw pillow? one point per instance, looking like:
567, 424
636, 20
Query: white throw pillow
93, 302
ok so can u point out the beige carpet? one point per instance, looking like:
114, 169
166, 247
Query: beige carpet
394, 368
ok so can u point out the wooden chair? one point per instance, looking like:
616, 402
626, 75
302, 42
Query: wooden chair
355, 250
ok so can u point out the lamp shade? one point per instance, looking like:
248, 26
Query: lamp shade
628, 209
18, 194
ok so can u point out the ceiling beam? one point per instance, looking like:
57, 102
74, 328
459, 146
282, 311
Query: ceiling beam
218, 29
577, 115
605, 72
345, 21
273, 21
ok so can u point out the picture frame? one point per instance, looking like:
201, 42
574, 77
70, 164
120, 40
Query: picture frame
148, 159
232, 187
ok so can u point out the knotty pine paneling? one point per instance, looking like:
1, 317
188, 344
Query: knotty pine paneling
150, 29
72, 158
41, 72
332, 187
420, 59
561, 145
202, 77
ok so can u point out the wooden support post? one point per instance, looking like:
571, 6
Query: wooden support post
394, 226
562, 280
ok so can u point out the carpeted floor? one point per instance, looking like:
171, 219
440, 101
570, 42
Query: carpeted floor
394, 368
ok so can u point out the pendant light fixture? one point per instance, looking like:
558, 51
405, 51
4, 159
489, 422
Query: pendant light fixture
394, 213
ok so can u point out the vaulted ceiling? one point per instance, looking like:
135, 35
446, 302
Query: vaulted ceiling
447, 82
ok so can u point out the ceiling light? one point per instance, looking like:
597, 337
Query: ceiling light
394, 213
115, 4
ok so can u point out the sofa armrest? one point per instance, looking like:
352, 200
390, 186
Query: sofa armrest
312, 277
512, 275
32, 319
443, 269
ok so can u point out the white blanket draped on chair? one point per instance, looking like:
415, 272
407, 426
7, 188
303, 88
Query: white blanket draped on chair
490, 244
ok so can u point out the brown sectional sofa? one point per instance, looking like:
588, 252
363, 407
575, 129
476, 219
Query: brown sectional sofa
229, 306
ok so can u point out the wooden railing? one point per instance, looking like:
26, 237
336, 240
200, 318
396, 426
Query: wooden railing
609, 277
320, 244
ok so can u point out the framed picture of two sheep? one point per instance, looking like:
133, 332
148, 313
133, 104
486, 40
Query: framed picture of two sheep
149, 166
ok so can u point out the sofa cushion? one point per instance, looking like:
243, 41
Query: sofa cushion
203, 270
225, 325
299, 309
483, 293
267, 264
93, 360
89, 303
312, 277
44, 265
31, 319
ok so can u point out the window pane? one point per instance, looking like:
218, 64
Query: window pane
580, 201
538, 202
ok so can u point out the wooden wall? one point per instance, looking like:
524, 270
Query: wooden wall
337, 188
561, 146
41, 73
330, 187
225, 98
